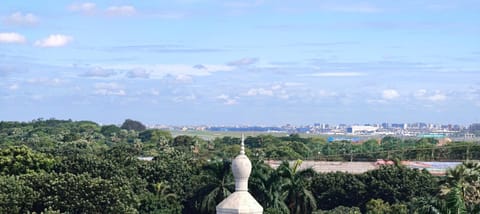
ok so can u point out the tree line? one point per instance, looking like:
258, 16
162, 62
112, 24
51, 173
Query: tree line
63, 166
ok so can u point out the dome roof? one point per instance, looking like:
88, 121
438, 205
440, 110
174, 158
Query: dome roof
240, 201
241, 167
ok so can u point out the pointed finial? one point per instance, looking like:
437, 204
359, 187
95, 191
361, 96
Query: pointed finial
242, 145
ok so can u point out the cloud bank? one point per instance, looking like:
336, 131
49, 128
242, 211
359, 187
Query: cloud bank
12, 38
54, 40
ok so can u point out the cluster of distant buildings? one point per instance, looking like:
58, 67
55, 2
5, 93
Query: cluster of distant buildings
348, 130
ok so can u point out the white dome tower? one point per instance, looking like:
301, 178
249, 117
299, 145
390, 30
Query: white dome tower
240, 202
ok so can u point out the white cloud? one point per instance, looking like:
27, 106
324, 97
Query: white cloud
154, 92
286, 90
434, 96
158, 71
243, 62
99, 72
13, 87
19, 18
185, 98
90, 8
12, 38
222, 96
170, 15
125, 10
390, 94
37, 97
227, 100
199, 66
294, 84
473, 94
259, 91
138, 73
230, 102
276, 87
337, 74
244, 4
183, 78
86, 7
351, 8
54, 40
325, 93
46, 81
437, 97
420, 93
109, 89
278, 90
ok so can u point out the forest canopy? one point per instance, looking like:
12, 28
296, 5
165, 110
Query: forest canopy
64, 166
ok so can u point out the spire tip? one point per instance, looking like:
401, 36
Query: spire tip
242, 145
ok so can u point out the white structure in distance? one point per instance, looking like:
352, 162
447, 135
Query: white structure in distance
240, 202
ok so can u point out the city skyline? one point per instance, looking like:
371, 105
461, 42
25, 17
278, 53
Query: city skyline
241, 62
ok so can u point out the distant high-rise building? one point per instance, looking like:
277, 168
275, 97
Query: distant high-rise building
385, 125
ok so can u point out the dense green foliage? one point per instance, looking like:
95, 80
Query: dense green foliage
63, 166
130, 124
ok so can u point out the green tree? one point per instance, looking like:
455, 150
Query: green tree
219, 184
340, 210
15, 195
378, 206
462, 188
338, 189
266, 186
183, 141
81, 193
81, 157
176, 168
390, 143
296, 187
399, 184
156, 136
155, 141
427, 205
162, 200
130, 124
300, 148
283, 152
370, 149
21, 159
110, 130
399, 208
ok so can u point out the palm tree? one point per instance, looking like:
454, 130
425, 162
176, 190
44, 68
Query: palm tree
258, 181
219, 184
296, 187
462, 188
163, 191
161, 199
275, 193
428, 205
267, 186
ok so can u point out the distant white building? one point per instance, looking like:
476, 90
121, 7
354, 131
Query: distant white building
145, 158
361, 129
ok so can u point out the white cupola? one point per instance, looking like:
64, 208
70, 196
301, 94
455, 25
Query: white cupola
240, 202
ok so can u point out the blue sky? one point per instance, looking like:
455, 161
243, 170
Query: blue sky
248, 62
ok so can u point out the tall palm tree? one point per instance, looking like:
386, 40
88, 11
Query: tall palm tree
427, 205
296, 187
472, 186
265, 184
258, 181
163, 191
219, 184
462, 188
